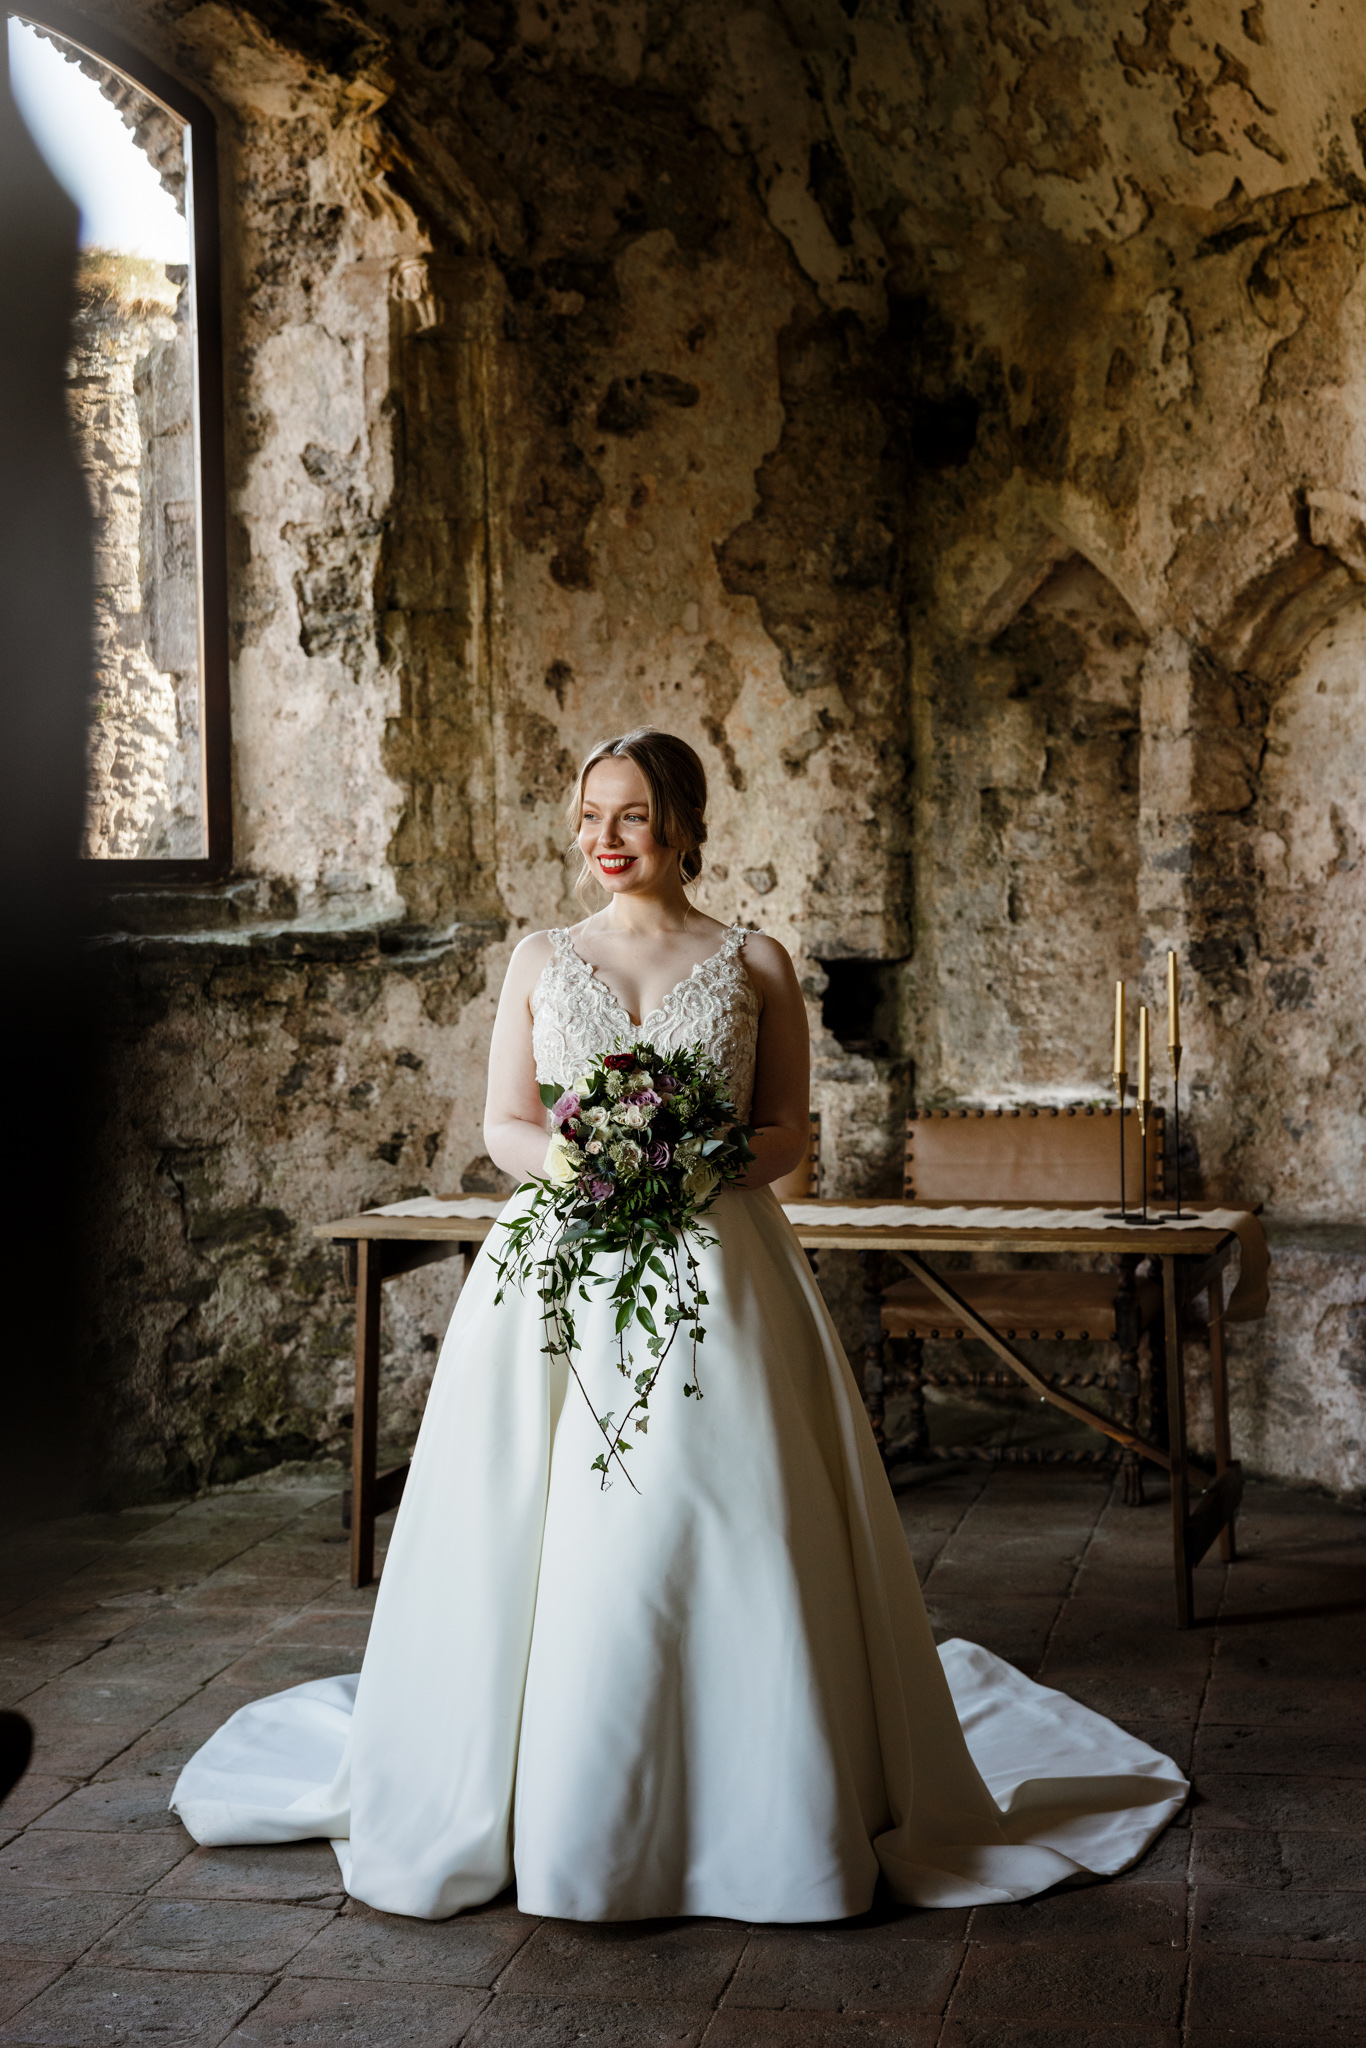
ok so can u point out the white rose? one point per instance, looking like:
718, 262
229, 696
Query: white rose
563, 1161
596, 1119
701, 1183
633, 1116
583, 1086
639, 1079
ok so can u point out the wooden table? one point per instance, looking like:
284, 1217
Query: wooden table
1193, 1259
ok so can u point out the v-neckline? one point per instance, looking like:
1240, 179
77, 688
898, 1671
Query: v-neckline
661, 1008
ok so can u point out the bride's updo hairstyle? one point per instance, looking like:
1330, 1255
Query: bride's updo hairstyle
676, 787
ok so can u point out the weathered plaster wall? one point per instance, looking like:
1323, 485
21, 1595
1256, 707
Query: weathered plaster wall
953, 428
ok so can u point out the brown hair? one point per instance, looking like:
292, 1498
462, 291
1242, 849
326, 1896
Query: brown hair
676, 792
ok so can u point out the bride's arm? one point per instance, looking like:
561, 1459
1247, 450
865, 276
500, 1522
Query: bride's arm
782, 1075
514, 1115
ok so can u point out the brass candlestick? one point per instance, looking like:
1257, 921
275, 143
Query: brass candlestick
1175, 1215
1121, 1214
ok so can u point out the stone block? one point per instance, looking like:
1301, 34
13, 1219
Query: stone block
1129, 1916
197, 1934
1226, 1799
285, 1873
58, 1926
899, 1965
516, 2020
323, 2015
1312, 1925
22, 1983
1069, 1987
1027, 2033
1239, 1999
472, 1948
1320, 1752
129, 2008
62, 1860
733, 2028
119, 1806
682, 1960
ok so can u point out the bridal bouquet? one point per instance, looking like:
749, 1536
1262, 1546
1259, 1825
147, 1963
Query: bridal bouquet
643, 1143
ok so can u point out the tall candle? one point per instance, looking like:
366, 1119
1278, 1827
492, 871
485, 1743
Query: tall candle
1119, 1027
1144, 1090
1173, 1004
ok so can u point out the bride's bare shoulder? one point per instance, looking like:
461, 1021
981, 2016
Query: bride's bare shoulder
769, 962
530, 957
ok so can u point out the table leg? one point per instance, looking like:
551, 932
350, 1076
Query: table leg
365, 1414
1176, 1440
873, 1374
1223, 1444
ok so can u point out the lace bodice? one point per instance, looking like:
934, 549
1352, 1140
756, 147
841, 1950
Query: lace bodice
576, 1016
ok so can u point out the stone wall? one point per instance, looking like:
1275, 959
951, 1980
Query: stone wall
952, 427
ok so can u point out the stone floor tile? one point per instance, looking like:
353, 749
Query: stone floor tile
64, 1860
1017, 1630
1166, 1861
1155, 1694
682, 1960
1225, 1799
99, 2008
242, 1585
472, 1949
1129, 1916
1247, 1856
77, 1749
1070, 1986
994, 2033
283, 1873
25, 1666
272, 1670
735, 2028
323, 2015
312, 1630
1310, 1646
21, 1983
35, 1793
1236, 1696
1304, 1924
58, 1926
1175, 1739
239, 1628
1319, 1752
1241, 2000
165, 1746
121, 1805
515, 2020
209, 1934
838, 1969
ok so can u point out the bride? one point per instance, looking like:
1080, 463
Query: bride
715, 1692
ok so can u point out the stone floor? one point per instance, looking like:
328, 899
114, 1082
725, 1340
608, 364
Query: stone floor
127, 1639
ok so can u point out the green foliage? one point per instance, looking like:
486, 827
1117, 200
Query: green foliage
625, 1216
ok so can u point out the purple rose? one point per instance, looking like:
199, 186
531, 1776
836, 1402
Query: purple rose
568, 1106
658, 1154
600, 1189
667, 1085
645, 1097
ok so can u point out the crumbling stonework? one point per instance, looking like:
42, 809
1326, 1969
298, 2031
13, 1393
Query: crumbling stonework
951, 424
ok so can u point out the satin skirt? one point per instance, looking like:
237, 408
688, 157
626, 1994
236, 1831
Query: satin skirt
715, 1694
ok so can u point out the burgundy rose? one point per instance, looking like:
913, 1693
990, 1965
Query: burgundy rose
658, 1154
620, 1062
568, 1106
571, 1131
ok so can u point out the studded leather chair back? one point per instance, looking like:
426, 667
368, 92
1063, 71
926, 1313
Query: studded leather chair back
1029, 1155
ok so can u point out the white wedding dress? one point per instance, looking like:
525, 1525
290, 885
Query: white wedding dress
717, 1695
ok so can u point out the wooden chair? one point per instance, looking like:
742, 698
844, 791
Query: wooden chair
1015, 1158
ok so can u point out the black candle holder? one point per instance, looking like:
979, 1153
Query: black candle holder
1121, 1214
1176, 1215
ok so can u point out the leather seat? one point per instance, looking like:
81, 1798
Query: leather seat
1069, 1306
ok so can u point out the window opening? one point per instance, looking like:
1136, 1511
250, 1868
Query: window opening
136, 154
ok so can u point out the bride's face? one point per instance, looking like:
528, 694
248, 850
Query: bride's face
614, 831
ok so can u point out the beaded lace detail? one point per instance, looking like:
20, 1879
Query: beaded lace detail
576, 1017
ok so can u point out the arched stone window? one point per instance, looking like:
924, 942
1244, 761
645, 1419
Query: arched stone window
145, 387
